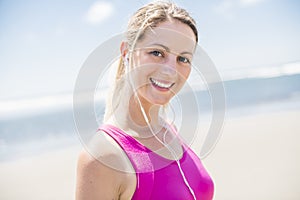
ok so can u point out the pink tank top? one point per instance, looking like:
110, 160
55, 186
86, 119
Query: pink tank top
158, 177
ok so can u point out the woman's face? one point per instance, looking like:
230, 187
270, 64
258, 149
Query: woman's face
162, 61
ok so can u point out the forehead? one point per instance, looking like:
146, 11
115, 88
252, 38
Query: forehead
175, 35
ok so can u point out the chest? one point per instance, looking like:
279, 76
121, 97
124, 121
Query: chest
168, 182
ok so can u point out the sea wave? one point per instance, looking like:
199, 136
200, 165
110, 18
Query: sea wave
284, 69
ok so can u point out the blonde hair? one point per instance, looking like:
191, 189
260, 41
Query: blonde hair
145, 18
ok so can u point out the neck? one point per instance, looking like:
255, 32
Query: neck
129, 117
136, 115
136, 123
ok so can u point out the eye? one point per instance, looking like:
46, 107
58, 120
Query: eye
183, 59
157, 53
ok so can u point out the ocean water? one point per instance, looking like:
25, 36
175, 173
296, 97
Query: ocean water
32, 126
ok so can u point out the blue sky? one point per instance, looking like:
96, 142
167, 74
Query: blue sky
44, 43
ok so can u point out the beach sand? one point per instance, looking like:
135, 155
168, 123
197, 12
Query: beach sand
47, 176
257, 157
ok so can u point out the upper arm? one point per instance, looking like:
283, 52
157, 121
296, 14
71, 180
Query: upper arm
104, 171
96, 180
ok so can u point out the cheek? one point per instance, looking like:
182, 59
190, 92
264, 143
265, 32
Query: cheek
140, 76
184, 73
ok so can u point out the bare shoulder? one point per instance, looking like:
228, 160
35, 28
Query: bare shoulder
103, 171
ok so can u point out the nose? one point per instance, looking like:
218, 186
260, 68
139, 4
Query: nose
170, 65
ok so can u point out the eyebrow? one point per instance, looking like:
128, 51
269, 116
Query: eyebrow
168, 49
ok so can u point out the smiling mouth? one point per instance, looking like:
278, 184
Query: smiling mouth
161, 85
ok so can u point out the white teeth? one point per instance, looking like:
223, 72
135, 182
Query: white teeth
159, 84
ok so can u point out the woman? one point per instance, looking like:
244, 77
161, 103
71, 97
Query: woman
137, 154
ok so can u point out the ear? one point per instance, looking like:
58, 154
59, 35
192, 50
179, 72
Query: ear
124, 49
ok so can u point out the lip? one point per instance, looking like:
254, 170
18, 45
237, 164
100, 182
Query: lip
161, 84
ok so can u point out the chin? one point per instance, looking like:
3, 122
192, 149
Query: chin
160, 100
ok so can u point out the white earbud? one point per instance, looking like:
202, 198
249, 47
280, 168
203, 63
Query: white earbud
126, 62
